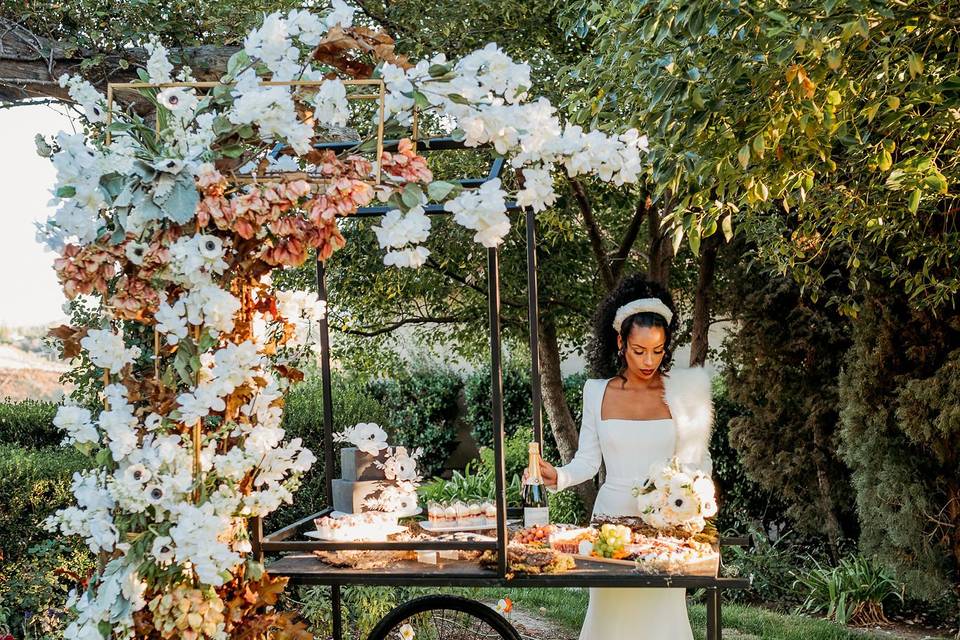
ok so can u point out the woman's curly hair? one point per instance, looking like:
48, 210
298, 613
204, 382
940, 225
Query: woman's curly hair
604, 360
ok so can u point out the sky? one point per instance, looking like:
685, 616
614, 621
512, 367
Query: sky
29, 292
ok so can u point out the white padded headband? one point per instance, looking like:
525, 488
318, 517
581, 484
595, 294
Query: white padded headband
650, 305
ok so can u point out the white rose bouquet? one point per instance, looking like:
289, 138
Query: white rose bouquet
675, 495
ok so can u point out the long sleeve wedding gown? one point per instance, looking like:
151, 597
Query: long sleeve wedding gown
628, 448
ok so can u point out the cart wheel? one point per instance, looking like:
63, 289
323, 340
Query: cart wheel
444, 618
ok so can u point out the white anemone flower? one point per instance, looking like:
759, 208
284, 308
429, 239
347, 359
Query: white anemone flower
178, 100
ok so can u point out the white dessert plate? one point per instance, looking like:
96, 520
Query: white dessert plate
400, 514
383, 534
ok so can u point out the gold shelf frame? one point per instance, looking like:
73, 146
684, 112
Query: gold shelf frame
378, 94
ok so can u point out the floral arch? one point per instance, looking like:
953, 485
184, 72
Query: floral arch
177, 224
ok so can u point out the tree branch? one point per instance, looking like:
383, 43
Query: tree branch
630, 237
593, 232
396, 325
433, 264
392, 28
31, 64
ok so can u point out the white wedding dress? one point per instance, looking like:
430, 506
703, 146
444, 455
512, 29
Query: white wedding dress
628, 448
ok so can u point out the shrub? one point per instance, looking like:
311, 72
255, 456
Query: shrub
516, 401
773, 565
33, 484
853, 591
421, 408
29, 423
517, 405
743, 502
33, 588
900, 390
363, 608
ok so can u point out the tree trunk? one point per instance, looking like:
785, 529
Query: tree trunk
30, 64
554, 403
831, 524
699, 336
661, 249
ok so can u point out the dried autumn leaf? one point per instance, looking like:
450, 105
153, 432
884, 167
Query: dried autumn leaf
289, 372
340, 48
70, 337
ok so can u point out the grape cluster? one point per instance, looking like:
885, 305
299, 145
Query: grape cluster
611, 541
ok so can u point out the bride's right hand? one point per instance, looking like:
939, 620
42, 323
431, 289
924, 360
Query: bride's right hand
547, 471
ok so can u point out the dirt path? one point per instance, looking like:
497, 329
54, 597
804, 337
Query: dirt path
532, 625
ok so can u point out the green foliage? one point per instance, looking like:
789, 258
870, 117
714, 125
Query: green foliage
853, 591
567, 507
36, 570
363, 608
517, 406
476, 482
33, 484
900, 390
29, 423
743, 503
516, 401
782, 374
33, 588
850, 152
773, 566
421, 407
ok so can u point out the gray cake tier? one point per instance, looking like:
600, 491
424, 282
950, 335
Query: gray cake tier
348, 496
355, 465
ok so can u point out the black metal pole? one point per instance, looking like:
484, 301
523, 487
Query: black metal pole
533, 317
713, 611
496, 396
327, 386
256, 538
337, 612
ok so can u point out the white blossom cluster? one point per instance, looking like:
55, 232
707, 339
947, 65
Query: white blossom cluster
93, 103
303, 310
483, 93
484, 210
92, 517
368, 437
673, 495
108, 350
118, 595
401, 233
76, 422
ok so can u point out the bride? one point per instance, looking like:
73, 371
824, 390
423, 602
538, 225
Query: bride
643, 413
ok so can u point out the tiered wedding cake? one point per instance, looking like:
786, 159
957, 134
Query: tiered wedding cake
361, 480
375, 476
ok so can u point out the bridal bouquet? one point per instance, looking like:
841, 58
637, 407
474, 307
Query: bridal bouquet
674, 495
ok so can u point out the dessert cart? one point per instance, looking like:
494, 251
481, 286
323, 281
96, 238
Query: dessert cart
289, 552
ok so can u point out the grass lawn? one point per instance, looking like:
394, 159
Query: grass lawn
566, 608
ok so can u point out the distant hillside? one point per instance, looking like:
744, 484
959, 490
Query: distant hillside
29, 375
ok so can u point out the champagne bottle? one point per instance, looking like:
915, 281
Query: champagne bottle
535, 510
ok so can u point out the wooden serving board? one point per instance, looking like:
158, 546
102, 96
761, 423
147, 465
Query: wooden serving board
706, 566
628, 563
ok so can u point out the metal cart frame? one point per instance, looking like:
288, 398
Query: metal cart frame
303, 568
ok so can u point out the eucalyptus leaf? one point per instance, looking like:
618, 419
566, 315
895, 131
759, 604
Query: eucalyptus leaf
181, 205
439, 189
412, 195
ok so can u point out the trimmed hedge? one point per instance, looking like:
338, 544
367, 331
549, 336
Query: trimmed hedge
33, 484
421, 410
29, 423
